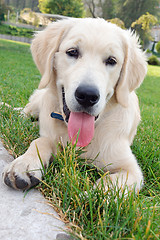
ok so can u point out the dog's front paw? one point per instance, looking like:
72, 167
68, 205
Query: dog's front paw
22, 173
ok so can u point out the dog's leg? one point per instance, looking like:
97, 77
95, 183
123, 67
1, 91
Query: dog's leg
125, 172
26, 171
123, 180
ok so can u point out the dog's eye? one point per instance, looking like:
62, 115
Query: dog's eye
111, 61
73, 52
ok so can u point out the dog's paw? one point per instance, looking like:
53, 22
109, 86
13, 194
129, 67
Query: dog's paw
22, 173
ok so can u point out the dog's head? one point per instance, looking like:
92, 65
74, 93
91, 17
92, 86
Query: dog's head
87, 61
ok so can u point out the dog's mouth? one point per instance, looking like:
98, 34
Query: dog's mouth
80, 125
65, 107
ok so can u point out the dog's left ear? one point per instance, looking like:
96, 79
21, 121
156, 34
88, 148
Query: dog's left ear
133, 70
45, 45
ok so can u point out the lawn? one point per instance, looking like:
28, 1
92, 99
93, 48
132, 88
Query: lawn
95, 215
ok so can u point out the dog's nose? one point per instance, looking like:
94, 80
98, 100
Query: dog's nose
86, 95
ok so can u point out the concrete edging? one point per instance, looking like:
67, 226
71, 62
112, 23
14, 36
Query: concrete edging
26, 217
16, 38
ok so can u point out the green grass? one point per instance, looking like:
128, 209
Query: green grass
18, 75
95, 215
18, 79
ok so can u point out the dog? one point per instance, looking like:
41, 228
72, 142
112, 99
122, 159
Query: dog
90, 69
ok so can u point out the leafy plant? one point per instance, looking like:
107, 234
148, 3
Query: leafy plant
130, 10
16, 31
153, 60
158, 47
71, 8
145, 22
118, 22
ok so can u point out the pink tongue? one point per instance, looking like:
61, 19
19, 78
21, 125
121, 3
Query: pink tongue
84, 123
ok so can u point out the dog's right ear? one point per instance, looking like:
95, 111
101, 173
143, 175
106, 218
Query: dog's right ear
134, 68
45, 44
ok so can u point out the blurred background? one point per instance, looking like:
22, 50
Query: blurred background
23, 17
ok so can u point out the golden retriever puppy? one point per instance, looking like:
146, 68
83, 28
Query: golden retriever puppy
90, 69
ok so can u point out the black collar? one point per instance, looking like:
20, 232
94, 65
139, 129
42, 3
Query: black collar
57, 116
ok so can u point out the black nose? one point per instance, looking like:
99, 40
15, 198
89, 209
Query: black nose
86, 95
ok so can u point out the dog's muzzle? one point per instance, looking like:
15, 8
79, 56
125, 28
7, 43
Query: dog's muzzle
81, 122
87, 96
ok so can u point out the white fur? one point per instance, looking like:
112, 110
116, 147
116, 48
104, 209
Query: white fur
117, 108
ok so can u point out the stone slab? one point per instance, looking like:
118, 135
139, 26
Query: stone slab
26, 217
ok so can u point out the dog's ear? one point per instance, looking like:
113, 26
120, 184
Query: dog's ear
45, 44
133, 70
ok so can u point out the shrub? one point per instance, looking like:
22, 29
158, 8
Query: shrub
153, 60
3, 11
16, 31
148, 51
158, 47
